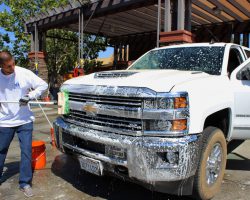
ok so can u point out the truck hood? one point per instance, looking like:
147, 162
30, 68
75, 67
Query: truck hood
157, 80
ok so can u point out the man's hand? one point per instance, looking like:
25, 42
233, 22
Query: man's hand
24, 100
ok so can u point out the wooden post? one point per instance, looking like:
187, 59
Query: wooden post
188, 13
42, 41
125, 53
38, 57
158, 24
181, 15
44, 47
177, 24
237, 38
115, 56
167, 16
246, 39
174, 8
79, 35
120, 52
32, 39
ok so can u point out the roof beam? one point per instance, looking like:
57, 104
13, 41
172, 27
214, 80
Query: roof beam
112, 22
232, 27
225, 9
209, 10
239, 7
135, 35
134, 22
198, 20
137, 17
95, 26
126, 22
194, 23
58, 21
203, 15
152, 10
108, 7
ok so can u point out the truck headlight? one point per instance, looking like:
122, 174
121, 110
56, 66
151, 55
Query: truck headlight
166, 103
166, 114
180, 102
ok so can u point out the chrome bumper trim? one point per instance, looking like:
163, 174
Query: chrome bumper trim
96, 155
142, 152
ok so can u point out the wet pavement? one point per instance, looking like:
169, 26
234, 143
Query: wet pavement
62, 178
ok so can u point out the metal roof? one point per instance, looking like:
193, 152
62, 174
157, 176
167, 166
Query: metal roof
125, 17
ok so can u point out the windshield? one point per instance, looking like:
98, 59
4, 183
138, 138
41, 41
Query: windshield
205, 59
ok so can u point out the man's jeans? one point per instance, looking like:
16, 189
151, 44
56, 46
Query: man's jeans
24, 133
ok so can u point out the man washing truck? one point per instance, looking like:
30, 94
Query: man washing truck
17, 83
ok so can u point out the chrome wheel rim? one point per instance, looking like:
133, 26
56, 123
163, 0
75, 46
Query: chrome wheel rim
214, 162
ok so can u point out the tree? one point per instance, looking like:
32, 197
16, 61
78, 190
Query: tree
14, 21
61, 53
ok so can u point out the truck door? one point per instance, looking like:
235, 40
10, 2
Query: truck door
240, 79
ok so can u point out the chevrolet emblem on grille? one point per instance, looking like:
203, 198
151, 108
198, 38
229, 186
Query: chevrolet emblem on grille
90, 108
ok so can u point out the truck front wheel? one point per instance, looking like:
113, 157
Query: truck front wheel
212, 164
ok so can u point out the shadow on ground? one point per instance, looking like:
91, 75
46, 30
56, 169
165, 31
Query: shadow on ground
239, 162
242, 163
10, 170
233, 145
105, 187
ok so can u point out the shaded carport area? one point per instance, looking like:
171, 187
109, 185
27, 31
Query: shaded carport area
133, 27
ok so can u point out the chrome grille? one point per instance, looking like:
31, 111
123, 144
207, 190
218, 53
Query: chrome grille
107, 100
103, 122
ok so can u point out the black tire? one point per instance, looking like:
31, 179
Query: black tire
212, 138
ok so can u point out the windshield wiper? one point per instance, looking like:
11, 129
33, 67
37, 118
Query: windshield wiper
197, 72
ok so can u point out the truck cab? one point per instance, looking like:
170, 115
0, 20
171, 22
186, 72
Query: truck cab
164, 122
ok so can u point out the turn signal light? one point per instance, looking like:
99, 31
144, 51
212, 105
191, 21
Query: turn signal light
180, 102
179, 125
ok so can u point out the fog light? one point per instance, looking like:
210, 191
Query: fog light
172, 157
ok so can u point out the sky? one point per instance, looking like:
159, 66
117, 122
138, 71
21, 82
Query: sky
103, 54
2, 31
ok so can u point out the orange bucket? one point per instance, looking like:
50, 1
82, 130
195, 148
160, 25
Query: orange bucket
38, 155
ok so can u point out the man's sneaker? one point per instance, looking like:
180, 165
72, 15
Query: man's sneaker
27, 190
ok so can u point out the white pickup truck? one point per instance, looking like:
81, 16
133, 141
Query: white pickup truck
165, 122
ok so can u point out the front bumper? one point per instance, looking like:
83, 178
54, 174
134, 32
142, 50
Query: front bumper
143, 154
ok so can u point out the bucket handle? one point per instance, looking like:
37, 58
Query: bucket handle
42, 154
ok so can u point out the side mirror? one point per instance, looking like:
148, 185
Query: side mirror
244, 74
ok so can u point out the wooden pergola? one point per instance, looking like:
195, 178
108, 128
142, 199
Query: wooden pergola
144, 24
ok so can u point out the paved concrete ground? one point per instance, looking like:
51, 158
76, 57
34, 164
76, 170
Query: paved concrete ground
62, 179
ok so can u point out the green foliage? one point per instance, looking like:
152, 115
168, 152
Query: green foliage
90, 66
62, 52
14, 21
61, 45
